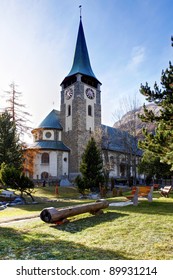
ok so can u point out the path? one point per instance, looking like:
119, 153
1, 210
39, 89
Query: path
20, 219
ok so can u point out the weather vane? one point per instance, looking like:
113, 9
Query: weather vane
80, 7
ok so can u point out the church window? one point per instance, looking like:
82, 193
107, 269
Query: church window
69, 110
89, 110
69, 82
44, 175
122, 170
48, 134
89, 81
112, 162
45, 158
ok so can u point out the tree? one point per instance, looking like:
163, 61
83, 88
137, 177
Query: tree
15, 179
128, 121
102, 141
152, 168
29, 156
10, 148
92, 166
160, 142
16, 110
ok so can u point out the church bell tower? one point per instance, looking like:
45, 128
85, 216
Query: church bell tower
80, 103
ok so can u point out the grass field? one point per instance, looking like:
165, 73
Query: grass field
125, 233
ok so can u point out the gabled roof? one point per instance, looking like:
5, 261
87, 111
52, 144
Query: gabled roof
51, 121
49, 145
81, 62
117, 140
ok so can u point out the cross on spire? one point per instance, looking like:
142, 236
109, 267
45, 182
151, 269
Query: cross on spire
80, 7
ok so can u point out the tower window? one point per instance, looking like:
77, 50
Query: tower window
45, 158
69, 110
89, 81
89, 110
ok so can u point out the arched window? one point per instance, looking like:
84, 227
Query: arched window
89, 110
122, 170
112, 162
69, 110
45, 158
44, 175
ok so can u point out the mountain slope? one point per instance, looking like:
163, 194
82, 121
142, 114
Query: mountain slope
130, 121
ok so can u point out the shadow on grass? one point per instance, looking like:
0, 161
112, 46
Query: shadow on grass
77, 224
15, 245
156, 207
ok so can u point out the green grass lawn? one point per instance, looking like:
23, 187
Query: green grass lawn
125, 233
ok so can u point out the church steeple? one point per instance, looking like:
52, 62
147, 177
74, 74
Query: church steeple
81, 63
80, 103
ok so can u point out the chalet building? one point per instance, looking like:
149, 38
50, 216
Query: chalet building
60, 139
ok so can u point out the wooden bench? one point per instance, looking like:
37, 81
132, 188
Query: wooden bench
165, 191
141, 191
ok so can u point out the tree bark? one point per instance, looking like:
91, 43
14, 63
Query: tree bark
53, 215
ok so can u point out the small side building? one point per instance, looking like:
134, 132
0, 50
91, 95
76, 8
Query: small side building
47, 158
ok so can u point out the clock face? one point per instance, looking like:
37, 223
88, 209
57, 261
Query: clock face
90, 93
68, 93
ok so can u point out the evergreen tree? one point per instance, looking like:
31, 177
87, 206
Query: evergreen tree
92, 166
10, 176
151, 166
160, 143
10, 148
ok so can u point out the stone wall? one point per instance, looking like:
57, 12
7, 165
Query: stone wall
77, 138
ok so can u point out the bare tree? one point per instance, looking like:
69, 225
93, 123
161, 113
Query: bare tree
128, 121
17, 110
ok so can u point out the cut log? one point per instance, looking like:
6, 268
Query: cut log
53, 215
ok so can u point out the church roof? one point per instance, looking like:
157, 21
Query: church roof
49, 145
51, 121
81, 62
117, 140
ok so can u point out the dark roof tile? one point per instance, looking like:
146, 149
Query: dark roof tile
51, 121
49, 145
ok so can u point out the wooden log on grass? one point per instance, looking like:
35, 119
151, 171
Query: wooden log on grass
55, 215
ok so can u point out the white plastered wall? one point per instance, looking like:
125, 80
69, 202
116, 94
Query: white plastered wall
91, 102
68, 118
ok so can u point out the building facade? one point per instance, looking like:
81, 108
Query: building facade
59, 141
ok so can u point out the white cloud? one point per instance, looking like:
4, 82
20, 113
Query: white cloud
137, 58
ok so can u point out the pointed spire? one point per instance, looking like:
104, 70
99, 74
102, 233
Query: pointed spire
81, 63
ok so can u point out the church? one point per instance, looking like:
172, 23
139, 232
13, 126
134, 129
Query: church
60, 139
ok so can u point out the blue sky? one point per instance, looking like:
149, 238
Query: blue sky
128, 43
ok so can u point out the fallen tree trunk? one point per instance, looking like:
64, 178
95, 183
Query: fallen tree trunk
53, 215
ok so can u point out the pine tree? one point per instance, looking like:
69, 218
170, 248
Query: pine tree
10, 176
10, 148
91, 166
160, 143
151, 166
